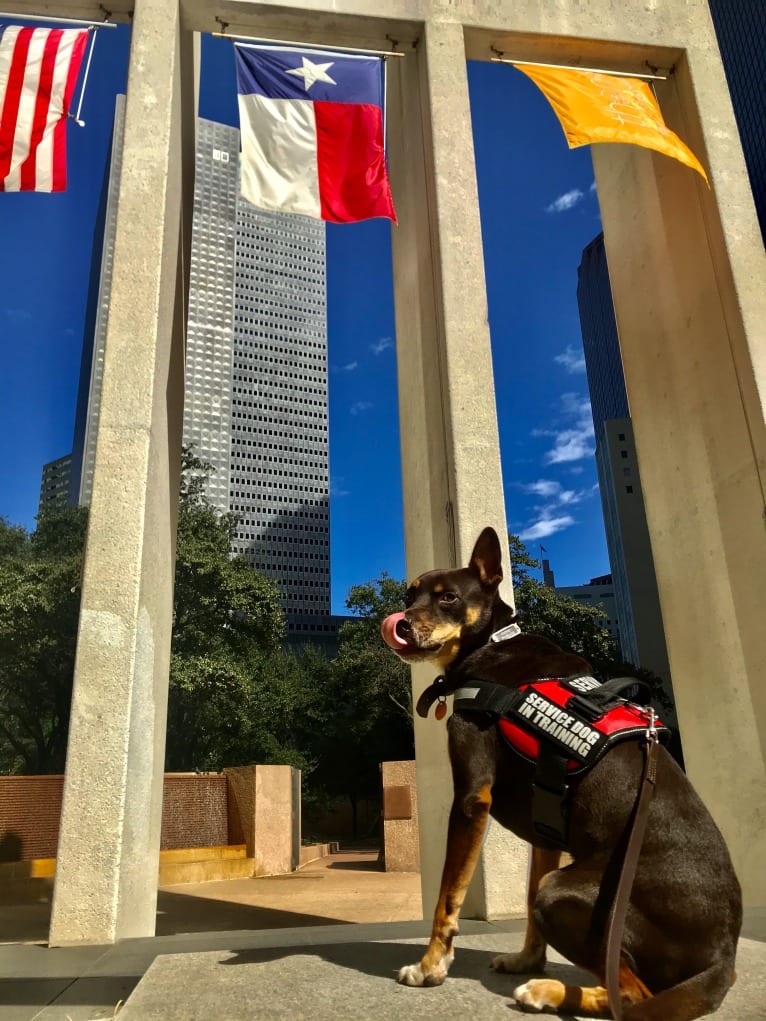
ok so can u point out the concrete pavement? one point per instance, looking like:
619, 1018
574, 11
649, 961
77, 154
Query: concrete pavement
324, 943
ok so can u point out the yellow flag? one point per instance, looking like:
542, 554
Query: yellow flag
594, 107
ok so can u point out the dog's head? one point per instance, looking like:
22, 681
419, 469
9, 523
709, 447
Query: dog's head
450, 613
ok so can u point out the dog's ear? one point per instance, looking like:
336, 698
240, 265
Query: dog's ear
485, 559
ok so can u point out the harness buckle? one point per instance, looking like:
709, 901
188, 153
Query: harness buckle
651, 730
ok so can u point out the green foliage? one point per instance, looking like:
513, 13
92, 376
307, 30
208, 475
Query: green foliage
571, 625
39, 608
227, 629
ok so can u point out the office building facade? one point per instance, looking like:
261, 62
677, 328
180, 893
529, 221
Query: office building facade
55, 482
97, 315
256, 384
740, 26
641, 633
256, 381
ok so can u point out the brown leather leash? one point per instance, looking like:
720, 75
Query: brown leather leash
628, 872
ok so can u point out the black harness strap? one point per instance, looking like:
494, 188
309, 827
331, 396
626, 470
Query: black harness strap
550, 786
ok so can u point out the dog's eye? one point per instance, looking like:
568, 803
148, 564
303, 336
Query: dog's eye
448, 598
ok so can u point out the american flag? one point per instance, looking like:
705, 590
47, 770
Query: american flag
38, 72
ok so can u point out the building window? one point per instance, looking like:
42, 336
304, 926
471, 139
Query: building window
629, 489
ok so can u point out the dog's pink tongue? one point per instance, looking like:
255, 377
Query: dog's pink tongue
388, 631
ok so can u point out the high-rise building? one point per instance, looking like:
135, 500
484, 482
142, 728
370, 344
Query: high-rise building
256, 389
256, 376
641, 632
210, 318
599, 595
54, 486
740, 26
97, 314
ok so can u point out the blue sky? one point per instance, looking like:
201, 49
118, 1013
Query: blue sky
538, 210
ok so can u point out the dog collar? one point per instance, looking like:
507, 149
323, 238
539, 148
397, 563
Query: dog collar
438, 689
505, 633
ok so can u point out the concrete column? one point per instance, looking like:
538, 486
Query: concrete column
687, 268
108, 854
450, 453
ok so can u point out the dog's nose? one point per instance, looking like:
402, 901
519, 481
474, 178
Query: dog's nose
404, 629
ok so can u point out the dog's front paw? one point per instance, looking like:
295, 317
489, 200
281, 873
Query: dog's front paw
522, 963
415, 975
410, 975
540, 995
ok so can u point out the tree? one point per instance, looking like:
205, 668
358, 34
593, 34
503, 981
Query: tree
227, 630
573, 626
39, 608
366, 703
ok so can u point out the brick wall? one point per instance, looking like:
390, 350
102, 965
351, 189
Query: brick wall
30, 807
194, 811
194, 814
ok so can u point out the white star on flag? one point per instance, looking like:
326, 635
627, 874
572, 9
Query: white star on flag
311, 72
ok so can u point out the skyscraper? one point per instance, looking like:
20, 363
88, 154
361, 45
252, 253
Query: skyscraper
256, 385
97, 313
740, 26
54, 486
642, 636
256, 375
210, 318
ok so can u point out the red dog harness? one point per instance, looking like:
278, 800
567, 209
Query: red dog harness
564, 726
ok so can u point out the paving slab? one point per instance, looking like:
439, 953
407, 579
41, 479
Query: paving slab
356, 982
251, 950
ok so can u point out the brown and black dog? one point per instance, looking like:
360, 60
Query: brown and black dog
685, 909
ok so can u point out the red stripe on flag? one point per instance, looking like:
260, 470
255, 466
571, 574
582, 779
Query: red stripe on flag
10, 111
28, 170
351, 162
59, 132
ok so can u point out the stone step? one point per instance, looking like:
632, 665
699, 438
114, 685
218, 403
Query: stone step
203, 864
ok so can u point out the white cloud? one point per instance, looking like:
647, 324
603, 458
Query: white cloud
350, 366
543, 487
359, 406
554, 494
566, 201
382, 345
336, 488
592, 188
572, 359
546, 526
574, 442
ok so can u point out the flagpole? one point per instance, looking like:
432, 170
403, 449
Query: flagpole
287, 43
58, 21
574, 67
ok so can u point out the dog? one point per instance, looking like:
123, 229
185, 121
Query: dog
685, 910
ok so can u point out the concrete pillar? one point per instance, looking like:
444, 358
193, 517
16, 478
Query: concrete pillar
687, 267
108, 854
450, 453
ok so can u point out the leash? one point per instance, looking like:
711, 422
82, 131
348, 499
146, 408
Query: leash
628, 872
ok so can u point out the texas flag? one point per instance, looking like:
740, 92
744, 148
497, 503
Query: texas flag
311, 124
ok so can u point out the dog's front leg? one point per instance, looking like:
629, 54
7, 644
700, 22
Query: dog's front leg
467, 823
531, 957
